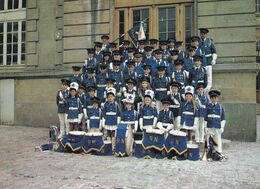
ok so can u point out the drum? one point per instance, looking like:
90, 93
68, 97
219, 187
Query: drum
175, 143
193, 152
106, 150
139, 150
92, 142
72, 141
153, 139
124, 140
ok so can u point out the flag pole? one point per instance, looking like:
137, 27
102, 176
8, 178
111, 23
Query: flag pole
127, 31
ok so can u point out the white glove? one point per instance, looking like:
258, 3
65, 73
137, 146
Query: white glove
103, 122
80, 118
88, 125
141, 123
223, 123
178, 122
85, 113
154, 122
136, 125
118, 120
214, 58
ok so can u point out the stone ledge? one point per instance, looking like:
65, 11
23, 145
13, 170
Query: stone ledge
237, 67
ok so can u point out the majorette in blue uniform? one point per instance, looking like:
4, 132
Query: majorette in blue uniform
189, 61
76, 76
165, 117
98, 53
61, 97
175, 98
160, 86
215, 119
89, 78
94, 116
180, 75
202, 101
90, 62
148, 113
209, 50
74, 107
129, 116
198, 73
101, 81
188, 113
117, 75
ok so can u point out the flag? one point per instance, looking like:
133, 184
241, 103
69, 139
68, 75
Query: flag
141, 34
137, 33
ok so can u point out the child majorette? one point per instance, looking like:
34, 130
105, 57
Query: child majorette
165, 117
188, 113
111, 116
129, 116
74, 108
175, 99
61, 97
201, 100
215, 119
94, 116
148, 112
160, 86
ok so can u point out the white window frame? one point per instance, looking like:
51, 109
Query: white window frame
12, 15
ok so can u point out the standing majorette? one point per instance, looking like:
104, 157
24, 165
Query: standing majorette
209, 50
215, 119
111, 116
94, 116
61, 97
148, 113
201, 100
188, 113
74, 108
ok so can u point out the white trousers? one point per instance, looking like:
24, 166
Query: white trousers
216, 134
64, 126
199, 131
209, 75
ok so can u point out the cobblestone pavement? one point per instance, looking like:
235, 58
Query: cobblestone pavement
22, 167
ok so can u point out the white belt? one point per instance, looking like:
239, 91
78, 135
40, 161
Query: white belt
202, 106
148, 117
174, 106
161, 89
89, 106
73, 108
94, 117
213, 116
101, 85
111, 113
61, 102
199, 81
129, 122
188, 113
208, 55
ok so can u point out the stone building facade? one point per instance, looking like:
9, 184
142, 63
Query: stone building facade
58, 32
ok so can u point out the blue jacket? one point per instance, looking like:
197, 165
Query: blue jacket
148, 113
61, 99
74, 107
214, 115
188, 112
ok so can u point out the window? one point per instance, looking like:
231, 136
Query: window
164, 20
121, 25
142, 15
257, 6
12, 4
12, 32
167, 23
188, 24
